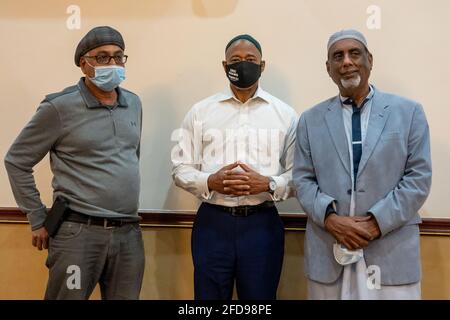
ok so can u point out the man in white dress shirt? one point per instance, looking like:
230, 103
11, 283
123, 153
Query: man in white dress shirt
235, 153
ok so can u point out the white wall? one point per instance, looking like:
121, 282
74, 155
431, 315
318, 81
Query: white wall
176, 48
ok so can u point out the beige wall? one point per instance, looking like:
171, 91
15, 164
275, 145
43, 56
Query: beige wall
175, 49
169, 271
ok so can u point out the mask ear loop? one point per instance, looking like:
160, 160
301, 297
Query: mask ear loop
91, 67
88, 62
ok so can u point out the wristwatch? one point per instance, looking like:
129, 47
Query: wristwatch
272, 185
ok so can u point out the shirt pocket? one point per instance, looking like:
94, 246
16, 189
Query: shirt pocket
269, 147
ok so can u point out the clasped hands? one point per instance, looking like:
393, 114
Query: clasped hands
238, 183
353, 232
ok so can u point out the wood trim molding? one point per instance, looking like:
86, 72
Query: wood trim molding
185, 219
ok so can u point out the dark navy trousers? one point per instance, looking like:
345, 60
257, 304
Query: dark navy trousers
248, 250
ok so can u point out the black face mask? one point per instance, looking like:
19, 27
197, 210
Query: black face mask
243, 74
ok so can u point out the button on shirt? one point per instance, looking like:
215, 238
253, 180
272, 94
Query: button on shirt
94, 154
221, 130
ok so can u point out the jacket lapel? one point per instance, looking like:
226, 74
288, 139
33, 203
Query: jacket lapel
379, 114
336, 130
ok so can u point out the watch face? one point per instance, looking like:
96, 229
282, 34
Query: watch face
272, 185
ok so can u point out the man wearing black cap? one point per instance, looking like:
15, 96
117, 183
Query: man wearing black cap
92, 131
235, 153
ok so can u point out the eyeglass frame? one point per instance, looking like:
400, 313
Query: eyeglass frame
109, 59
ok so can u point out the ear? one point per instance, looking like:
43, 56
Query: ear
328, 67
224, 65
370, 57
263, 65
86, 68
83, 65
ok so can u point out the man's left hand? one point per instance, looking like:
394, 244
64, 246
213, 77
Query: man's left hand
256, 182
370, 224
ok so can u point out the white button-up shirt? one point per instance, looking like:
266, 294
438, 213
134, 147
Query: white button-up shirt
221, 130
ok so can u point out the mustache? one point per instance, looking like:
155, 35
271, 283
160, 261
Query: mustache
346, 73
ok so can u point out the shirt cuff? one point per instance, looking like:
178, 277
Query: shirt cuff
37, 218
280, 190
202, 185
330, 209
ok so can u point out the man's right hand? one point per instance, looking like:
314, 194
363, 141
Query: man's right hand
236, 186
347, 231
39, 238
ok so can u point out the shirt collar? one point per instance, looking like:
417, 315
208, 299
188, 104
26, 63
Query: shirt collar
368, 97
92, 102
228, 94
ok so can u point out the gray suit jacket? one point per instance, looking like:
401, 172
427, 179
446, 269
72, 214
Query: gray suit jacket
393, 181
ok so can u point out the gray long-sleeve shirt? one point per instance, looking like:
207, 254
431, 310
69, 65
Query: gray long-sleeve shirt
94, 154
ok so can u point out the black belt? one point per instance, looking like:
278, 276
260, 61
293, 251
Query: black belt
74, 216
244, 211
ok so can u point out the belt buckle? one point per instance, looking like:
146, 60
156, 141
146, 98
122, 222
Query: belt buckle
105, 225
234, 212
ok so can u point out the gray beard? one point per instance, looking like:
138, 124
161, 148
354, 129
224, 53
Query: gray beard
352, 82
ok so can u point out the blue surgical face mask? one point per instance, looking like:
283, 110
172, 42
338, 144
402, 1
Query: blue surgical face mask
107, 78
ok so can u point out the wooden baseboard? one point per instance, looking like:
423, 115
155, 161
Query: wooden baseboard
185, 219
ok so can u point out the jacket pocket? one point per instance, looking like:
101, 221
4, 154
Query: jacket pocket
390, 136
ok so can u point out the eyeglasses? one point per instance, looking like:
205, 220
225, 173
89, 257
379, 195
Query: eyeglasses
103, 59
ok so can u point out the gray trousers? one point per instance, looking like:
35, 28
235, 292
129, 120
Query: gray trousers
81, 255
